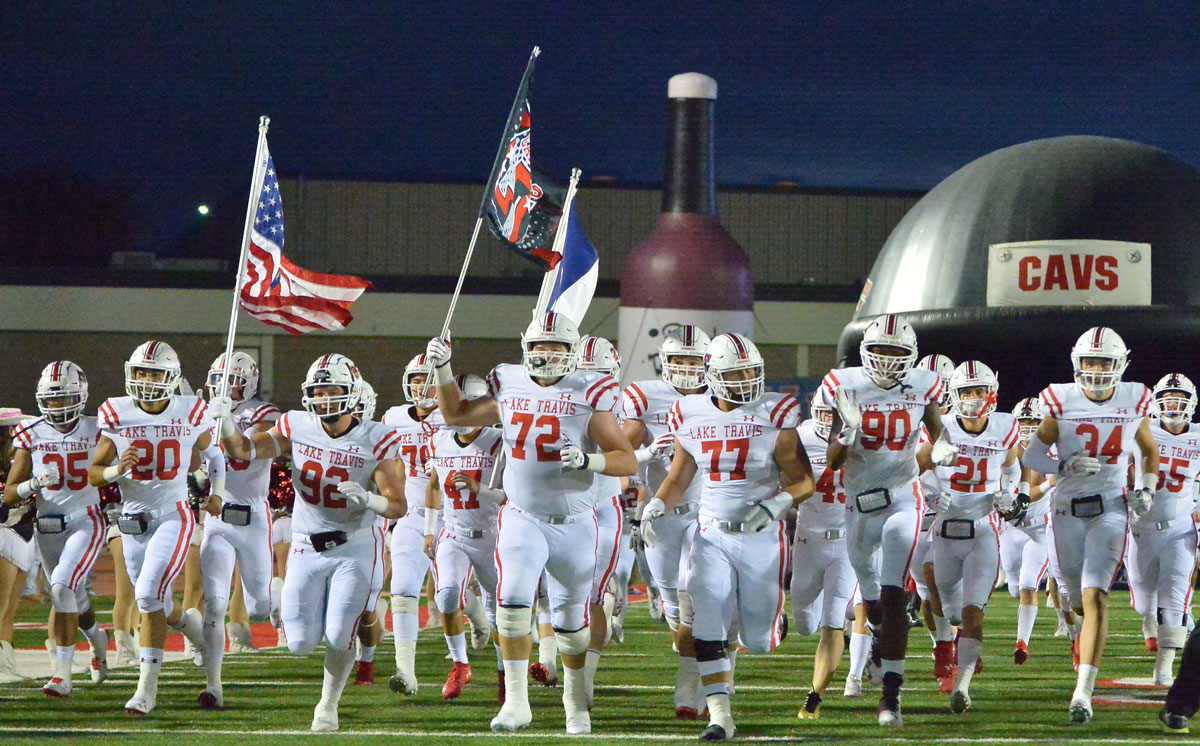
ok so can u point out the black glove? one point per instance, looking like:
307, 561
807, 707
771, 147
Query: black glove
1020, 508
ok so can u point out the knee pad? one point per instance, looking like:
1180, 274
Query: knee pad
686, 611
301, 647
569, 617
446, 599
64, 599
709, 650
512, 621
405, 605
573, 643
151, 605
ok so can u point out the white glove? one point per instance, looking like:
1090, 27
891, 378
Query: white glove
847, 407
636, 541
767, 512
427, 467
663, 446
51, 477
1141, 501
944, 452
939, 502
358, 495
437, 352
572, 457
1079, 465
221, 409
651, 512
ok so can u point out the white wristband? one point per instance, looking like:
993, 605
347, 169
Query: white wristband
253, 451
377, 503
228, 430
595, 462
442, 375
26, 489
112, 473
1023, 488
1045, 486
643, 455
430, 521
1150, 481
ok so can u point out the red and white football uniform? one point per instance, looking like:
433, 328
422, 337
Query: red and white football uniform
467, 541
1090, 517
881, 474
409, 561
324, 593
820, 565
651, 402
71, 524
966, 536
549, 521
728, 569
156, 488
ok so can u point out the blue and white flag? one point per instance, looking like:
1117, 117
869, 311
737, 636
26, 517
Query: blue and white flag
577, 272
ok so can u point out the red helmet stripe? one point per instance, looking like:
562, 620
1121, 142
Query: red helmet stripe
689, 335
589, 353
889, 327
971, 369
1096, 338
549, 322
150, 351
741, 348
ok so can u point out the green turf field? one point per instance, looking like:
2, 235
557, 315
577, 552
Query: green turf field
269, 697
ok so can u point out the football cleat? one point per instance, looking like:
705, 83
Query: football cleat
1152, 644
714, 732
402, 684
211, 700
1061, 630
1172, 724
579, 719
943, 659
57, 688
812, 707
853, 687
542, 675
325, 718
480, 636
874, 669
686, 713
512, 716
99, 669
459, 676
139, 706
960, 701
889, 701
1021, 653
656, 610
1080, 712
364, 674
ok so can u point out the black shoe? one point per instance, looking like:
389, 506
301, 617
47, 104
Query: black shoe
713, 732
1175, 725
812, 707
783, 628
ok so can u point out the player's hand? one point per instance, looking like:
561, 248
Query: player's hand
212, 504
663, 447
1079, 465
847, 407
354, 493
221, 410
636, 542
651, 512
939, 501
51, 477
427, 467
429, 546
463, 480
767, 512
1141, 501
943, 453
572, 457
437, 351
129, 459
1011, 507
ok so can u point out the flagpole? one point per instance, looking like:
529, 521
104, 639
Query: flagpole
260, 167
560, 238
522, 91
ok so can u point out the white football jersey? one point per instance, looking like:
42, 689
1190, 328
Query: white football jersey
734, 451
885, 452
164, 444
321, 462
1104, 430
651, 402
70, 452
461, 506
1178, 465
827, 506
413, 447
537, 422
975, 476
247, 482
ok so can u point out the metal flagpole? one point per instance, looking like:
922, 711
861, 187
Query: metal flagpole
260, 167
560, 238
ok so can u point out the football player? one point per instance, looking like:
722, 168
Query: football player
370, 626
335, 543
51, 458
879, 410
147, 444
560, 430
1095, 423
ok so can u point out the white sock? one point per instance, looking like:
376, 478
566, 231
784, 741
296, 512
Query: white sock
151, 661
499, 658
406, 654
458, 647
548, 652
214, 654
1149, 626
64, 655
1086, 682
124, 639
1164, 663
591, 662
366, 653
574, 685
404, 625
944, 631
890, 666
338, 664
97, 638
1026, 616
860, 649
968, 655
516, 681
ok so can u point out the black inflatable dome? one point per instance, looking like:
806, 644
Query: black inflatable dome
934, 266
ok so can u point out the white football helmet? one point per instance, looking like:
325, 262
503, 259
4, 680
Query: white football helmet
331, 370
553, 327
944, 367
732, 353
152, 372
1099, 343
1029, 415
472, 387
243, 372
819, 408
1174, 399
422, 394
365, 410
598, 354
973, 374
683, 341
888, 331
62, 392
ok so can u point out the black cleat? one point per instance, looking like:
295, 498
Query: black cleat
812, 707
1172, 724
713, 732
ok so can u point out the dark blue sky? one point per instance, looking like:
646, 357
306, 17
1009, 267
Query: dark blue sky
164, 97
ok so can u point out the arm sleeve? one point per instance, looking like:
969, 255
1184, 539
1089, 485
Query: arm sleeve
1011, 476
1037, 457
216, 467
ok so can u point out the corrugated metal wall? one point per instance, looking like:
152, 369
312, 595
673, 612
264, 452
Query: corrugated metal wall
381, 228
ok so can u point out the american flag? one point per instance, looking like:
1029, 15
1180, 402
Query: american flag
276, 291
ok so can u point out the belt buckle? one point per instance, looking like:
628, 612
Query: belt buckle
835, 533
682, 509
733, 527
1162, 525
556, 520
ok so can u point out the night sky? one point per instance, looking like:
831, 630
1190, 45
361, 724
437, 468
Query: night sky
162, 99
